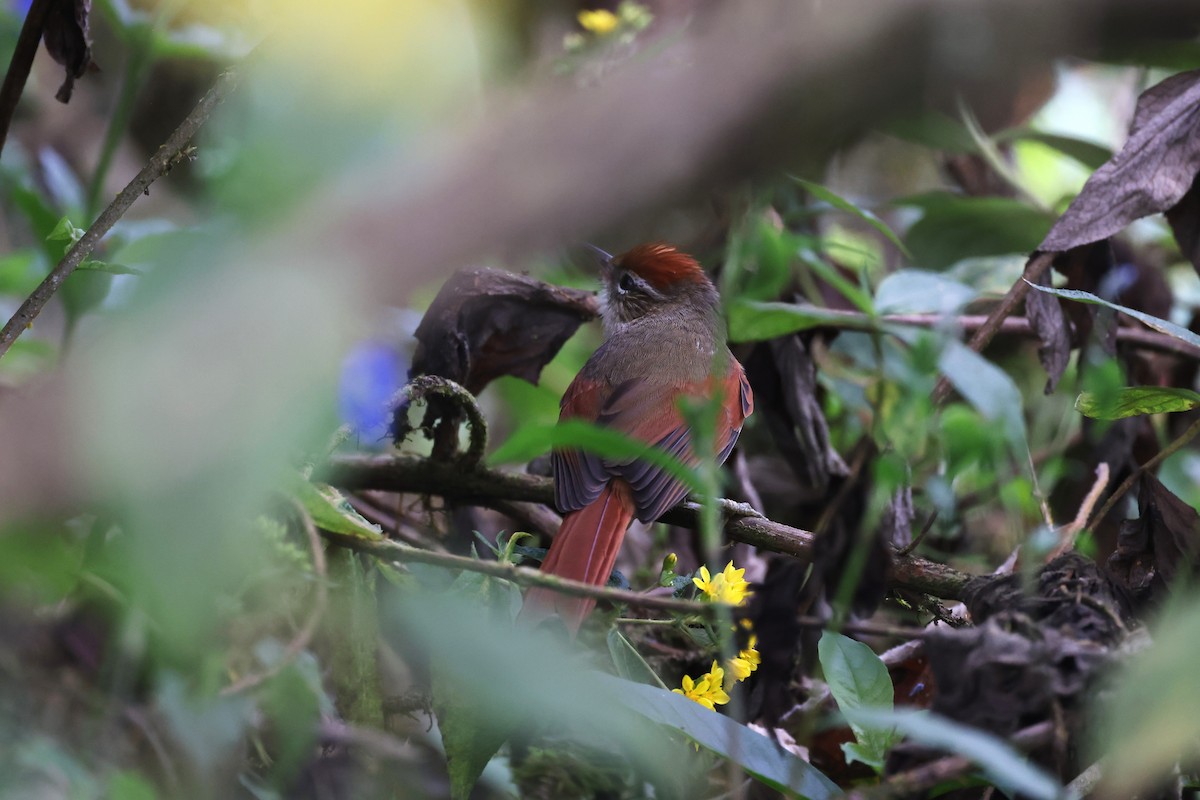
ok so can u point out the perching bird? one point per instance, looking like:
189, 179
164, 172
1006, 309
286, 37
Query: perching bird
664, 339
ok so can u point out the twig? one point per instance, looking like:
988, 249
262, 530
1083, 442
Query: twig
925, 529
1127, 484
487, 487
422, 386
1068, 533
305, 635
160, 163
1035, 267
19, 65
389, 550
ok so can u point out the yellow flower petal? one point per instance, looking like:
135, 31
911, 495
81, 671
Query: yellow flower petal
599, 21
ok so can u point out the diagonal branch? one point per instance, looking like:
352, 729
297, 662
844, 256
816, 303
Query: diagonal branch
19, 66
160, 164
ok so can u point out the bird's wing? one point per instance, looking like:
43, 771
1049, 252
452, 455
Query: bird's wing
648, 412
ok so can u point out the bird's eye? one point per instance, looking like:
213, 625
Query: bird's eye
626, 283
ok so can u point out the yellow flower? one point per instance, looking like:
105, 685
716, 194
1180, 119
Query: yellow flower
708, 691
599, 21
744, 663
727, 586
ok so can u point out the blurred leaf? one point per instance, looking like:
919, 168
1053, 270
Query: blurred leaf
1089, 154
914, 291
752, 321
986, 387
832, 275
292, 703
128, 785
1150, 720
470, 738
1009, 770
935, 130
331, 511
1135, 400
105, 266
534, 440
629, 662
761, 757
859, 680
1160, 325
759, 263
210, 729
40, 563
842, 204
954, 227
19, 272
351, 631
25, 358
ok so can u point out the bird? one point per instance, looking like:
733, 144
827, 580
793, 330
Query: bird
664, 340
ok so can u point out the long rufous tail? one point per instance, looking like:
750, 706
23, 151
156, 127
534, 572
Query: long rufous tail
585, 549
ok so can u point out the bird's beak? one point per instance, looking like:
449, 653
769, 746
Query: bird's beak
603, 258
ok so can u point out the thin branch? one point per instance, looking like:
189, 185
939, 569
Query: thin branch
1035, 267
489, 488
20, 64
304, 636
160, 163
423, 386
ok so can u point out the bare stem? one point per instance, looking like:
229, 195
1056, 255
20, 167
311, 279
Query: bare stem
20, 64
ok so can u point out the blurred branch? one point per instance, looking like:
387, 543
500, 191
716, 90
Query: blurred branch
304, 637
160, 164
493, 488
20, 64
1134, 476
744, 91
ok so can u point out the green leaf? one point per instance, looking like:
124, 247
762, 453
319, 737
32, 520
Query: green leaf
534, 440
129, 785
1090, 154
910, 291
1133, 401
759, 756
331, 511
1009, 770
1160, 325
934, 130
20, 272
470, 739
986, 387
111, 269
954, 228
753, 321
858, 680
629, 662
841, 204
65, 231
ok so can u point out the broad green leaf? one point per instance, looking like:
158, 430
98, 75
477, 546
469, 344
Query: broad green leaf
1009, 770
1160, 325
910, 291
841, 204
110, 268
20, 273
470, 738
858, 680
1089, 154
986, 387
759, 756
331, 511
954, 228
629, 662
934, 130
752, 321
534, 440
1136, 400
